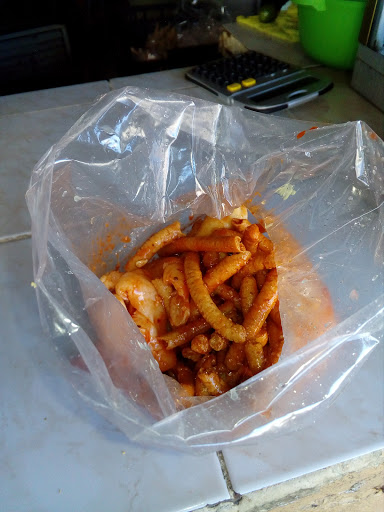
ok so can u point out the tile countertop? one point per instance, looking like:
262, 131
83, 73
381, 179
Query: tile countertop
57, 454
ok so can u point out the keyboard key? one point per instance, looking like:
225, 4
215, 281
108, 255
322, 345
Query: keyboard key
234, 87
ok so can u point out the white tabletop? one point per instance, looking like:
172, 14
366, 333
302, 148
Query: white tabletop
58, 454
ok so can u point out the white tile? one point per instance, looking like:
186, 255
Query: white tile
352, 426
24, 138
168, 80
58, 454
52, 98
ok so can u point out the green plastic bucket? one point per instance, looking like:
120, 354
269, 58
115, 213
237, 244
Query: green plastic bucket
329, 30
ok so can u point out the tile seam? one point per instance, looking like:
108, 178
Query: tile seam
14, 238
235, 497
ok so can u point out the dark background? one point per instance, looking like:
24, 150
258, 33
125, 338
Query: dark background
93, 38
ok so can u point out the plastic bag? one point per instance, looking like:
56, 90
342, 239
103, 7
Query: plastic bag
138, 159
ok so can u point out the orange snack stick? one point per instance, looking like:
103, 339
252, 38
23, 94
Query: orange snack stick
212, 382
275, 313
205, 304
259, 261
203, 243
251, 238
265, 244
233, 378
276, 342
235, 356
217, 342
152, 246
178, 310
186, 378
195, 227
200, 388
220, 358
200, 344
188, 353
226, 292
262, 306
166, 359
225, 269
206, 362
185, 333
261, 226
174, 275
210, 259
194, 312
248, 293
260, 278
240, 225
255, 357
262, 336
155, 268
225, 232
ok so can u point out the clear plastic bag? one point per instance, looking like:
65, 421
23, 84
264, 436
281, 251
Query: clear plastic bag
141, 158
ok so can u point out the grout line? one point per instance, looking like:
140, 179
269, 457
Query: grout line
235, 497
14, 238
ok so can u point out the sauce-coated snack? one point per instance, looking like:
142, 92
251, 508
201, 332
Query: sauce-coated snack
206, 302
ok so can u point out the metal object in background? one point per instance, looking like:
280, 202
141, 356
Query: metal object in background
259, 82
40, 55
368, 72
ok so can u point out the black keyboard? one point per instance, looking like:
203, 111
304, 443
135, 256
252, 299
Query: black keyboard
258, 82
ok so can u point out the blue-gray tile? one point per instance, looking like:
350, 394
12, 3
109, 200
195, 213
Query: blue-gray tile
24, 138
352, 426
57, 453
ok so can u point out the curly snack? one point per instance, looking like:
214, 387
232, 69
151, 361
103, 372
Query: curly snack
206, 301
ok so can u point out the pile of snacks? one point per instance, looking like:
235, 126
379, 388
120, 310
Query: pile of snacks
205, 302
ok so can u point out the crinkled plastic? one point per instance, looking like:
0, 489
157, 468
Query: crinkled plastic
141, 158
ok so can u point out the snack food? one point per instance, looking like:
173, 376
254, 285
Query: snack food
206, 301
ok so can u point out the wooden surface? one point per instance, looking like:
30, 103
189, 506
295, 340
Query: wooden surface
356, 485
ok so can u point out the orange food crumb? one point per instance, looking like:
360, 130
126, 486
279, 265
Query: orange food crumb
373, 136
191, 217
314, 128
299, 135
267, 414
